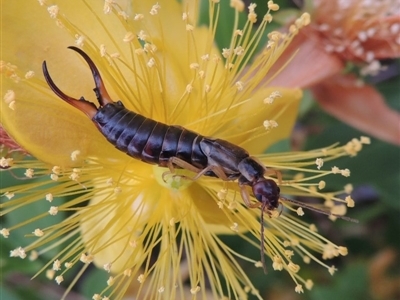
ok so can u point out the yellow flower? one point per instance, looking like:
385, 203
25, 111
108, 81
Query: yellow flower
122, 216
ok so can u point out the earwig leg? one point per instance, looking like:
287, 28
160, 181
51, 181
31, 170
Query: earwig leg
216, 169
185, 165
246, 197
281, 205
278, 174
182, 164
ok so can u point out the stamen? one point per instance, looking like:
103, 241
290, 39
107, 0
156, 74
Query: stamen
5, 232
53, 11
50, 274
9, 195
129, 37
319, 162
29, 173
110, 281
57, 265
155, 9
6, 163
59, 279
74, 155
53, 210
29, 74
49, 197
9, 98
107, 267
299, 289
195, 290
38, 232
140, 278
18, 252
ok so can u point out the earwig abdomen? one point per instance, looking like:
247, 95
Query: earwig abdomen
146, 139
153, 146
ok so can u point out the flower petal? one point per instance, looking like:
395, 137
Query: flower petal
359, 106
301, 56
283, 111
40, 121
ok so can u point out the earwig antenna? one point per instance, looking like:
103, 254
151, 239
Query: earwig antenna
301, 204
262, 237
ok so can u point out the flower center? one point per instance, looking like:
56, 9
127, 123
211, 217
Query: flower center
180, 179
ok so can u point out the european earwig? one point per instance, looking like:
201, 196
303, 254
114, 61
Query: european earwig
176, 147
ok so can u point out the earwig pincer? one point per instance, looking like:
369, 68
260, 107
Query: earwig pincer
174, 146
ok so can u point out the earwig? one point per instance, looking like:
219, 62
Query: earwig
173, 146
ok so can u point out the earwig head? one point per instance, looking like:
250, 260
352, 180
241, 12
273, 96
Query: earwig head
267, 192
85, 106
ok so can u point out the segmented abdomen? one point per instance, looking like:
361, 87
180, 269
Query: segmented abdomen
148, 140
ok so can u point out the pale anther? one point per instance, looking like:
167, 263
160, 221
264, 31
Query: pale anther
151, 62
195, 290
53, 210
309, 284
138, 17
38, 232
239, 85
235, 227
300, 211
349, 201
321, 184
59, 279
53, 11
154, 9
293, 267
57, 265
348, 188
332, 270
107, 267
129, 37
9, 96
29, 173
299, 289
33, 255
319, 162
140, 278
5, 232
110, 281
272, 6
237, 4
79, 39
189, 88
142, 35
18, 252
29, 74
74, 155
96, 297
50, 274
9, 195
